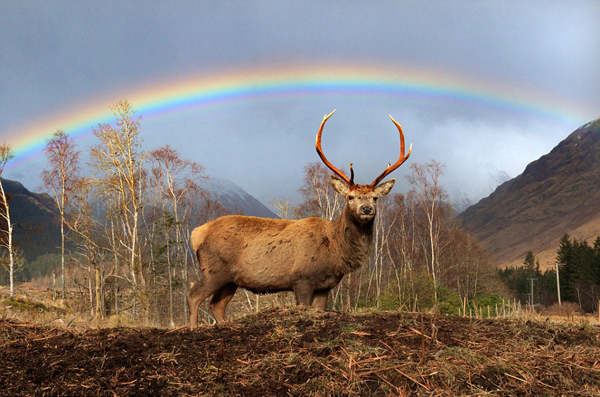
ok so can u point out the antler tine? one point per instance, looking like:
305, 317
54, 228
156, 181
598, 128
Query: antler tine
390, 168
349, 181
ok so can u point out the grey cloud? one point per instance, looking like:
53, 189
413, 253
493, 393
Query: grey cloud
56, 55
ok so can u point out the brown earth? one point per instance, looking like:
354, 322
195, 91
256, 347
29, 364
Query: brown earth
301, 353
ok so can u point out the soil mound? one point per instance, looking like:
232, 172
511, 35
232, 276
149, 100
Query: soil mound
299, 353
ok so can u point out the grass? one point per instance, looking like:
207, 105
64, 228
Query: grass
299, 352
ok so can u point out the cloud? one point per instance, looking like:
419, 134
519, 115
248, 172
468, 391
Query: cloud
56, 55
477, 152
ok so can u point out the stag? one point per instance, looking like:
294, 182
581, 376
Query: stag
308, 256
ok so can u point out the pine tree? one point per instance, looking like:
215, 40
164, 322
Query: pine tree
529, 263
564, 256
596, 260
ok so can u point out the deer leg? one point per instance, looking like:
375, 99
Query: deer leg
304, 293
219, 301
319, 299
195, 296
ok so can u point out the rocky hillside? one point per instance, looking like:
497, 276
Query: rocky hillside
37, 228
556, 194
236, 199
37, 220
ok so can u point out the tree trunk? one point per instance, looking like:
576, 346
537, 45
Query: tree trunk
11, 256
98, 296
9, 245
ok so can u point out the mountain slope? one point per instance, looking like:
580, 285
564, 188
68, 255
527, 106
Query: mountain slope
236, 199
37, 220
37, 228
556, 194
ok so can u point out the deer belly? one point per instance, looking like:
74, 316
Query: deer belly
326, 282
263, 276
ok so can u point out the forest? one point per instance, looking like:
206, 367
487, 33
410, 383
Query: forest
578, 266
125, 231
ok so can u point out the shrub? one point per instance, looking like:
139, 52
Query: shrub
449, 301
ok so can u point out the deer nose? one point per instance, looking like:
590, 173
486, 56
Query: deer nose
366, 210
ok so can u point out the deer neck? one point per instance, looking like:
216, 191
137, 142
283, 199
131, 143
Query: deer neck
355, 241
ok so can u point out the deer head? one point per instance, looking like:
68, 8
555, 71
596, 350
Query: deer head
361, 199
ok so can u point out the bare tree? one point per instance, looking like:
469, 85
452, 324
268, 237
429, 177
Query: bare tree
430, 196
118, 163
175, 179
89, 243
59, 179
468, 266
284, 208
405, 248
320, 199
380, 269
6, 155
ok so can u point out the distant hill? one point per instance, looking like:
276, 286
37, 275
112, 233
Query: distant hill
556, 194
37, 228
236, 199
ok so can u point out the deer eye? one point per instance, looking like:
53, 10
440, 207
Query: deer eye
375, 198
351, 197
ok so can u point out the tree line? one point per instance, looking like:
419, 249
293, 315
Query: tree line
578, 265
125, 232
125, 227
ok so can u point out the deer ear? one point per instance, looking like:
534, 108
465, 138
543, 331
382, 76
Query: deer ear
339, 186
385, 187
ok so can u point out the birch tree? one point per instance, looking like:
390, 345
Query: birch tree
6, 155
118, 162
59, 179
284, 208
175, 180
320, 199
425, 182
89, 243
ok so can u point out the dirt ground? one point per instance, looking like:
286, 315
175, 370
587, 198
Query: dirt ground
300, 352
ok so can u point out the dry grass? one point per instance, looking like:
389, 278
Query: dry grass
303, 353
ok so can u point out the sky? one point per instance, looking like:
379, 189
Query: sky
483, 87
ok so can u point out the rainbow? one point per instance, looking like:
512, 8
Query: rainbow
271, 82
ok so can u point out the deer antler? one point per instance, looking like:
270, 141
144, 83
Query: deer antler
390, 168
349, 181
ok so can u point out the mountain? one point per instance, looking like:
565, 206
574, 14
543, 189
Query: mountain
36, 218
556, 194
236, 199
